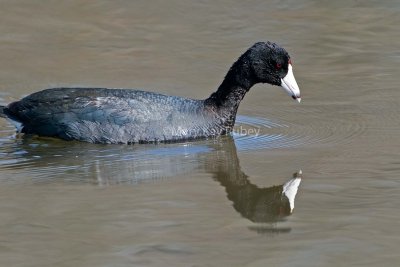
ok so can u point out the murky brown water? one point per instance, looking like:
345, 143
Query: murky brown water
216, 202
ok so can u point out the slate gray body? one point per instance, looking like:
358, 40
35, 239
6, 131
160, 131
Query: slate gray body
100, 115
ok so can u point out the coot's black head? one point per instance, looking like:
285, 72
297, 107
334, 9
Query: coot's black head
271, 64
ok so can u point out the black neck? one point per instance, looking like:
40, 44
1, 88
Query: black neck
235, 85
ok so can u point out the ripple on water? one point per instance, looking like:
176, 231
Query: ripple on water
44, 157
252, 133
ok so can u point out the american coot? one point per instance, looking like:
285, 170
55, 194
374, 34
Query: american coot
100, 115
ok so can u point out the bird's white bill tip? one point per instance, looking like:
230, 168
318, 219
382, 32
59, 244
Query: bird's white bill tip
290, 85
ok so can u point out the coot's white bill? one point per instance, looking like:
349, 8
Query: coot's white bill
290, 85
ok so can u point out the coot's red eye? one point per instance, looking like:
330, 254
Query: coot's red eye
278, 66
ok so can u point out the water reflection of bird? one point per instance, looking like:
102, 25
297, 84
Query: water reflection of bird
257, 204
52, 160
262, 204
101, 115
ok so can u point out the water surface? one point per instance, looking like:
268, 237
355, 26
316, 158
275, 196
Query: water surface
218, 202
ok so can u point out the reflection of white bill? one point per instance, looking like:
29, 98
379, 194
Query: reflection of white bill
290, 189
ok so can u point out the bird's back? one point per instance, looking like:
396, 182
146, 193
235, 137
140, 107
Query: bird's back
100, 115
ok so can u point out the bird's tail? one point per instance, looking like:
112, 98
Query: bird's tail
2, 112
